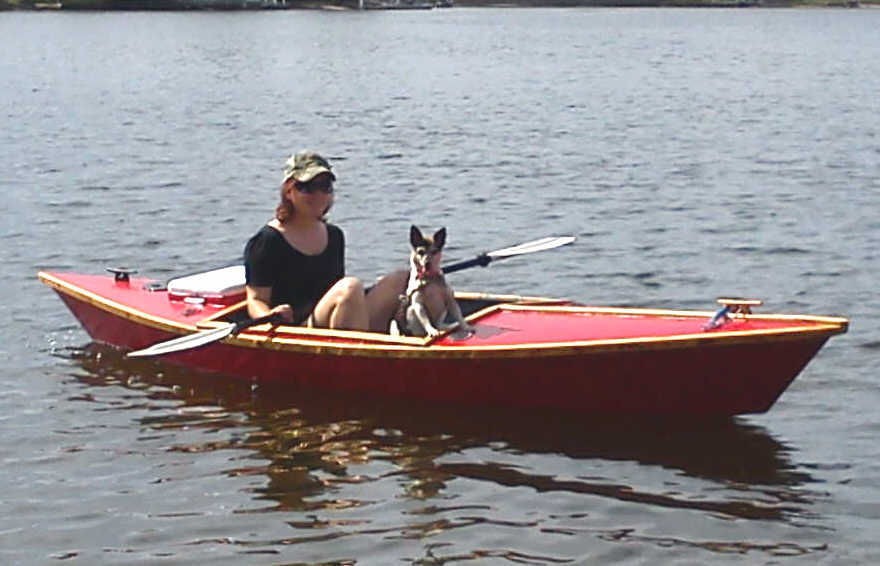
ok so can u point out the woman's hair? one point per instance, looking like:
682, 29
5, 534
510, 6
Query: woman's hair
285, 209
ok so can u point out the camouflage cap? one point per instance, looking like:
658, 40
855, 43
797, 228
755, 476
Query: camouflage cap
305, 166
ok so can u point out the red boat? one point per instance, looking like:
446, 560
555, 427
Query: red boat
524, 351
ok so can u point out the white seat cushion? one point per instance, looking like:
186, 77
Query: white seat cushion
223, 282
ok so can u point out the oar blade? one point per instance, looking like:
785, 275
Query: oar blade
534, 246
187, 342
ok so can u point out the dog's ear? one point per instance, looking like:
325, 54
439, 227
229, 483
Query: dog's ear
439, 238
416, 239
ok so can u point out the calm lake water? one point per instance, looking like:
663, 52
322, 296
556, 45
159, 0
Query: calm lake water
694, 154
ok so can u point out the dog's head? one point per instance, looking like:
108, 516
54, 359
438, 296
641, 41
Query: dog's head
426, 251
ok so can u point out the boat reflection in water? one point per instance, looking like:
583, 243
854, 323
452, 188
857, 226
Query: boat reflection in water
309, 443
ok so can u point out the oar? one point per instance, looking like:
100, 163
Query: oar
216, 334
486, 258
203, 338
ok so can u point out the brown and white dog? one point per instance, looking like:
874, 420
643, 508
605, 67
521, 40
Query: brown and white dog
428, 299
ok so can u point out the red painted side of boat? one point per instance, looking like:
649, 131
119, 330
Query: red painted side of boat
682, 381
678, 376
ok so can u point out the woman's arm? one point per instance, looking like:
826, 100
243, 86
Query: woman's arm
258, 300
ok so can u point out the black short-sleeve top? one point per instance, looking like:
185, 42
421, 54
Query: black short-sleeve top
297, 279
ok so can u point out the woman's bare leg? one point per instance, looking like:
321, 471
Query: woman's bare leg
344, 306
384, 298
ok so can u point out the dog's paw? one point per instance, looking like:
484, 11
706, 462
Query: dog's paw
394, 329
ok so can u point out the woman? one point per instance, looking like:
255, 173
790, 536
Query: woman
295, 264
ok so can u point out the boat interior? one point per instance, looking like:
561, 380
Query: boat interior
225, 286
470, 303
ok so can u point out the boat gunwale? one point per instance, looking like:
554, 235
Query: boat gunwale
372, 344
547, 349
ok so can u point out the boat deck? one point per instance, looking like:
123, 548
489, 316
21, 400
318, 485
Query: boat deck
511, 324
499, 322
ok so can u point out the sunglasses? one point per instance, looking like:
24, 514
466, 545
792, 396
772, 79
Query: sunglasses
318, 184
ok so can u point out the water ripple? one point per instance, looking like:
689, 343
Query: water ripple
693, 153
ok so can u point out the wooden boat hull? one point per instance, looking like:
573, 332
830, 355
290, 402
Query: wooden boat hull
523, 355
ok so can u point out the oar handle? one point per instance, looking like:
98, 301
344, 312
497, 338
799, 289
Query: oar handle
248, 322
482, 260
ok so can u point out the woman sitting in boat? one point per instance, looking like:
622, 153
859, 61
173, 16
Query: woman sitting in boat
295, 264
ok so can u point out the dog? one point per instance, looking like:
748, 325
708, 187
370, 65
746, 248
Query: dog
428, 299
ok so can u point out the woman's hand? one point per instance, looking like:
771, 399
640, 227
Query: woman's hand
285, 311
258, 304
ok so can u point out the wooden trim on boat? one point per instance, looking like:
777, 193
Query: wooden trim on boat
113, 307
571, 308
372, 344
384, 339
520, 350
402, 347
267, 330
219, 315
215, 321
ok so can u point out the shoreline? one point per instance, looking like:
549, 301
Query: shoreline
236, 5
